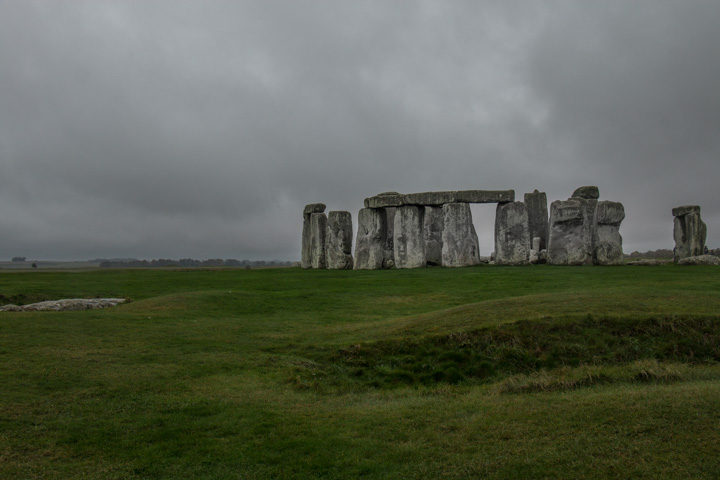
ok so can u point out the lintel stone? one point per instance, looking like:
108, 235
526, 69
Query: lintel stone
685, 209
440, 198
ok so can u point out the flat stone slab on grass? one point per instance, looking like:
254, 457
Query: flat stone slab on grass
700, 260
67, 304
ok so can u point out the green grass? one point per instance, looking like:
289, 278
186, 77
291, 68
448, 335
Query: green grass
483, 372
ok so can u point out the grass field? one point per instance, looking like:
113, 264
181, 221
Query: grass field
482, 372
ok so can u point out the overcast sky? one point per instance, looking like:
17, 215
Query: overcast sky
175, 128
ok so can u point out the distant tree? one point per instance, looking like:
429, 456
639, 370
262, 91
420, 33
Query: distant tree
34, 265
18, 259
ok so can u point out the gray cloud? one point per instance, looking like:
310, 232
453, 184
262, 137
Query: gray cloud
159, 128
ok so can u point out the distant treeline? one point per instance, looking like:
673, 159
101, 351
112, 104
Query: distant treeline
190, 262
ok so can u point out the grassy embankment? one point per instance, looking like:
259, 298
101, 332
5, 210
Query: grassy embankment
483, 372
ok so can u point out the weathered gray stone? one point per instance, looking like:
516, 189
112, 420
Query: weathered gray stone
433, 224
389, 248
306, 248
512, 235
645, 262
700, 260
533, 257
318, 228
390, 199
370, 239
484, 196
460, 246
338, 241
535, 244
409, 246
588, 193
607, 241
314, 208
610, 213
685, 209
66, 304
689, 232
429, 198
542, 256
566, 243
537, 208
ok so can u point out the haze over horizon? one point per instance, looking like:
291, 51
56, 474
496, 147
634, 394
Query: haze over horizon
186, 129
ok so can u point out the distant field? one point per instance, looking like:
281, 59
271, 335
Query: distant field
40, 264
481, 372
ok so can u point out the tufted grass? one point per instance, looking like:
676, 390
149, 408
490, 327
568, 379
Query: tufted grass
483, 372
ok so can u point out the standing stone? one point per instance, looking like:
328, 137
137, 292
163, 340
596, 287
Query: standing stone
689, 232
535, 245
338, 241
370, 239
460, 247
409, 241
433, 226
565, 241
537, 208
318, 229
512, 235
588, 197
306, 250
607, 242
389, 247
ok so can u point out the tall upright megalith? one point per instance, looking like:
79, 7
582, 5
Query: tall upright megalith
371, 239
588, 197
460, 247
433, 230
512, 234
409, 247
689, 232
307, 240
537, 210
566, 245
389, 245
607, 242
338, 241
318, 229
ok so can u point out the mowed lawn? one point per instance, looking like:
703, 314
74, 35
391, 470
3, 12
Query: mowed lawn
481, 372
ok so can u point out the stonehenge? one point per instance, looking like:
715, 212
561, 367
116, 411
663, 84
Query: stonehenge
585, 231
338, 241
689, 232
435, 229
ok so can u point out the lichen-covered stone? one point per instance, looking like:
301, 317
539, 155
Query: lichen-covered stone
537, 209
460, 247
338, 241
314, 208
306, 250
689, 232
700, 260
588, 193
392, 199
607, 241
318, 229
409, 242
566, 245
433, 224
66, 304
370, 239
512, 235
389, 248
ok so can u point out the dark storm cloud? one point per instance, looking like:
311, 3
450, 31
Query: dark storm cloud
186, 128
